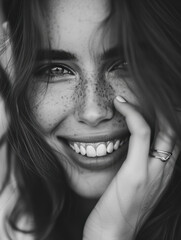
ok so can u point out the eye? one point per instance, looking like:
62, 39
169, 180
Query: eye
54, 73
118, 69
57, 70
119, 65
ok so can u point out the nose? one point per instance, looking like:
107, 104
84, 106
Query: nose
94, 105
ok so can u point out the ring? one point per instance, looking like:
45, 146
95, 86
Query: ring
164, 156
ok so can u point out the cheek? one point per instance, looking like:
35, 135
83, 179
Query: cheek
51, 106
125, 88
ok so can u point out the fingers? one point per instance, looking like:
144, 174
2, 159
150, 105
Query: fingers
165, 138
139, 143
136, 123
164, 141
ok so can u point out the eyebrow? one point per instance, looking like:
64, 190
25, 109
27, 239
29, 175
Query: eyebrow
112, 53
51, 54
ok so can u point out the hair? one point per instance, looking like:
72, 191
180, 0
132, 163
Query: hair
151, 35
5, 92
43, 190
150, 32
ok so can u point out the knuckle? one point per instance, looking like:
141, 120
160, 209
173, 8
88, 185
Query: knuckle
145, 131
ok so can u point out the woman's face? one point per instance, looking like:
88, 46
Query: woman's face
75, 109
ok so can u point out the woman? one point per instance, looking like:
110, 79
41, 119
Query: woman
90, 173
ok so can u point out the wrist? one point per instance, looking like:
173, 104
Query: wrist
108, 233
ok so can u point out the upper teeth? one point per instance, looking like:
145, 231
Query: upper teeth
96, 149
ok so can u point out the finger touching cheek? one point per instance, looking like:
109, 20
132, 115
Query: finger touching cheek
136, 123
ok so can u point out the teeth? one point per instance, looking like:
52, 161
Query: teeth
110, 147
96, 149
82, 150
116, 145
122, 142
91, 152
101, 150
76, 148
72, 146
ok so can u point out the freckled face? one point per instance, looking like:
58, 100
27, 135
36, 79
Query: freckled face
75, 109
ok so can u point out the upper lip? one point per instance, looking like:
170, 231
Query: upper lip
97, 138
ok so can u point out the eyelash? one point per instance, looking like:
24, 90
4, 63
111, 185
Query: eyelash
119, 65
59, 70
56, 72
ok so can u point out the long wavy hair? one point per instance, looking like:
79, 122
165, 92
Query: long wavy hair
43, 189
150, 35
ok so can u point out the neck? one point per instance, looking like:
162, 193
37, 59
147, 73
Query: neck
81, 208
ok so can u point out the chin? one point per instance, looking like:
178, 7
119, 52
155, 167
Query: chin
89, 176
90, 184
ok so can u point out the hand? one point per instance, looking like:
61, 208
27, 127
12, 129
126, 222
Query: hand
138, 185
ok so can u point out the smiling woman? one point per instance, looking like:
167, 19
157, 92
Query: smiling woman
75, 112
99, 152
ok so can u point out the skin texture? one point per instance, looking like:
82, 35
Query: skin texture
138, 185
77, 101
80, 102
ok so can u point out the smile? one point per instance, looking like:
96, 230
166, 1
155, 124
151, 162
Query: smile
98, 149
97, 153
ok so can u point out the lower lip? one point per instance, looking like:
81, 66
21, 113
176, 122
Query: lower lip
99, 163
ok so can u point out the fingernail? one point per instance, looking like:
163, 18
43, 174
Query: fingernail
120, 99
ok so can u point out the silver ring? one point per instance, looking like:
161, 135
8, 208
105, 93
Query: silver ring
164, 156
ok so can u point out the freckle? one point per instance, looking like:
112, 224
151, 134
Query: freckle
99, 104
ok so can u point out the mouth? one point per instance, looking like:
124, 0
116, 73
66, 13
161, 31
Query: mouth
99, 149
95, 154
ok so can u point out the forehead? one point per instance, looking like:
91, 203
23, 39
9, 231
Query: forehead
73, 24
87, 8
